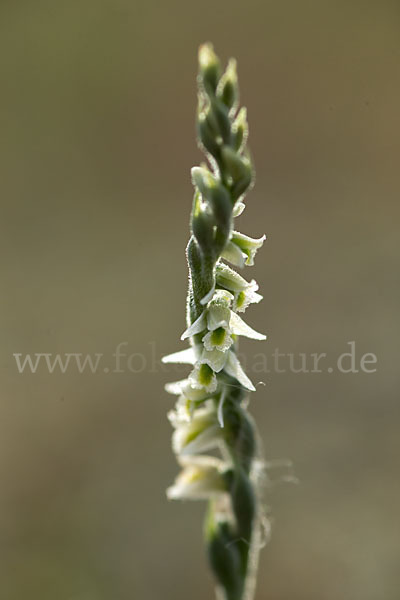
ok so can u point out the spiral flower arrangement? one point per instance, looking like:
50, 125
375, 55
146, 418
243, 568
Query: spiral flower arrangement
211, 414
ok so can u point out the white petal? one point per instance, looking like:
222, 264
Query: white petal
229, 279
239, 327
215, 359
208, 296
197, 327
234, 255
234, 369
217, 316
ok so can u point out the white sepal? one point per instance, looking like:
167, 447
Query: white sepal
197, 327
234, 255
239, 327
234, 369
186, 357
208, 296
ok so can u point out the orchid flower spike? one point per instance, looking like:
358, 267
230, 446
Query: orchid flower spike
211, 409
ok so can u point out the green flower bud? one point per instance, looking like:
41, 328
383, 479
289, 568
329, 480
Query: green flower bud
216, 194
240, 170
209, 68
221, 115
202, 224
240, 130
207, 136
228, 89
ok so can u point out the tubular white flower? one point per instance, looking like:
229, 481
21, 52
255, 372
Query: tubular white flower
230, 279
202, 432
201, 478
221, 323
246, 297
203, 377
245, 292
247, 245
215, 315
185, 388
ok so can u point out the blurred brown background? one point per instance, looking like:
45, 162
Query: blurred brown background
97, 139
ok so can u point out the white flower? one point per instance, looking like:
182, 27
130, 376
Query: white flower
187, 390
203, 377
201, 478
214, 363
241, 249
245, 292
190, 397
246, 297
215, 315
202, 432
220, 323
219, 339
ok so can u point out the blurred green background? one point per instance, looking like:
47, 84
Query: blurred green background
97, 139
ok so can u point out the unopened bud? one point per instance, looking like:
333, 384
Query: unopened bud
240, 130
228, 90
209, 68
